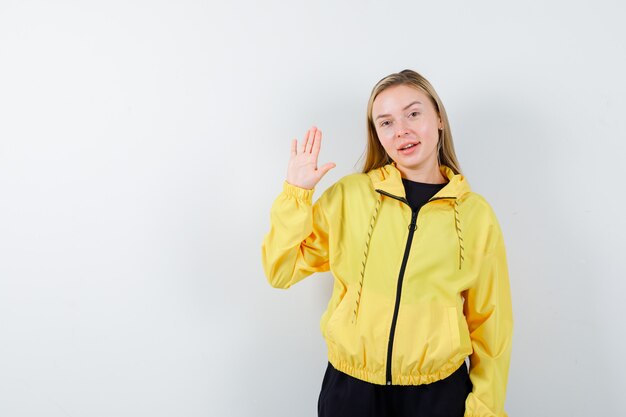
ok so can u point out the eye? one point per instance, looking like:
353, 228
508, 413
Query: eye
414, 114
385, 123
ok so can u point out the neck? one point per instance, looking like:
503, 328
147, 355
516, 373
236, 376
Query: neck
429, 174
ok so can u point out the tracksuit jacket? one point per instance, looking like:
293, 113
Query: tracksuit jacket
415, 292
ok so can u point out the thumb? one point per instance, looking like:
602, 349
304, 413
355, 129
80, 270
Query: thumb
325, 168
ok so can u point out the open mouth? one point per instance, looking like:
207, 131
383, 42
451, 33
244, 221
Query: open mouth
409, 147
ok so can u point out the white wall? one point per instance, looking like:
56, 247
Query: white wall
142, 144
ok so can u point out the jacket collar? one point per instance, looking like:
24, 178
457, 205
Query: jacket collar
389, 180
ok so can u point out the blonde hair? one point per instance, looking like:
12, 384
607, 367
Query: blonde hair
375, 154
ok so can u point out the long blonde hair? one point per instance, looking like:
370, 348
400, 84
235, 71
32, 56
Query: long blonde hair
375, 154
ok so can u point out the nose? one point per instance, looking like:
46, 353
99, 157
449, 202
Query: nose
401, 131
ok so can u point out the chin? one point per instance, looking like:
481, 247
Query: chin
410, 162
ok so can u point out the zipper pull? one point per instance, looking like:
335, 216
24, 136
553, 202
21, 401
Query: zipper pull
413, 226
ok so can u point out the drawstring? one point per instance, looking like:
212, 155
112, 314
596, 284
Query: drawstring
365, 253
457, 222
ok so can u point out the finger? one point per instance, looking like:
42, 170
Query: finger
309, 144
325, 168
305, 140
314, 136
317, 143
294, 147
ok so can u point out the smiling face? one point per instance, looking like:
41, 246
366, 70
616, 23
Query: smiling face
407, 125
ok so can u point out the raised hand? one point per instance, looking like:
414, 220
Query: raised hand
302, 170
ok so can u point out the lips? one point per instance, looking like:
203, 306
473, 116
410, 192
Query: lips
404, 145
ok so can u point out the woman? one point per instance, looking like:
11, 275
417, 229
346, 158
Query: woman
421, 279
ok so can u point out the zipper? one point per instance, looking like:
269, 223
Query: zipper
407, 249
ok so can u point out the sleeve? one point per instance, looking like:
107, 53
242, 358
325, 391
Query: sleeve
489, 315
296, 245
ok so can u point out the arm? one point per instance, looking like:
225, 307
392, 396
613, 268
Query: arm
297, 243
489, 317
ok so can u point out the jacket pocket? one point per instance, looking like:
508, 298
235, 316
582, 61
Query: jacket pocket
340, 318
453, 325
427, 337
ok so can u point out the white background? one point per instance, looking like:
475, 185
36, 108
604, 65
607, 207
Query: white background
142, 144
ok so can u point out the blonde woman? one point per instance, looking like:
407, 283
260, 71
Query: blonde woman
419, 265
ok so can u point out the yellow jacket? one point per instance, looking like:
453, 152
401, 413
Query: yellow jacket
413, 295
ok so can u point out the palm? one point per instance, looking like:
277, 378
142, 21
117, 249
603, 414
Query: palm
302, 170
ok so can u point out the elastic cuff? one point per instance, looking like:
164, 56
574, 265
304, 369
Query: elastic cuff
298, 193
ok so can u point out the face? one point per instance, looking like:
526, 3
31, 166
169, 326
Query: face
407, 125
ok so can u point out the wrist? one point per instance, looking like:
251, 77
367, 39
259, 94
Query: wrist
300, 193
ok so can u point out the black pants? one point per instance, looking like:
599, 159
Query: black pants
345, 396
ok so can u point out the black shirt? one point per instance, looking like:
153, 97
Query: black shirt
418, 193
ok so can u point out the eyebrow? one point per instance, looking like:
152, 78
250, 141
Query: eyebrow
406, 107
